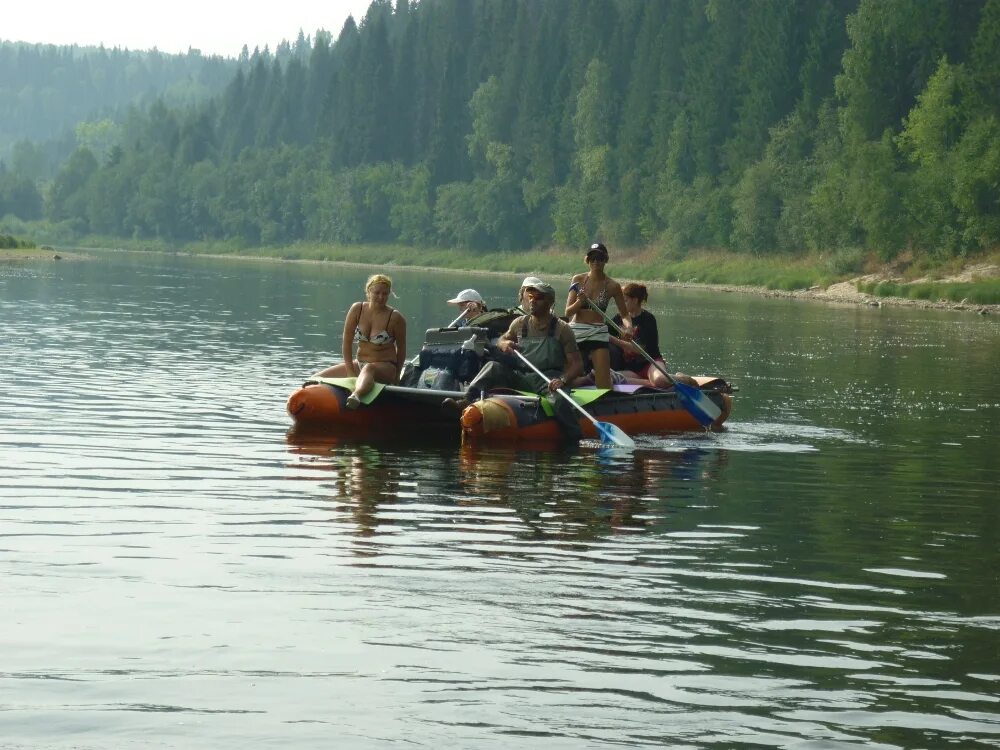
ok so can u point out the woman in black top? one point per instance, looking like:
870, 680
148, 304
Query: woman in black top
625, 358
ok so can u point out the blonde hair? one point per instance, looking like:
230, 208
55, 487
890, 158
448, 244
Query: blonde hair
377, 278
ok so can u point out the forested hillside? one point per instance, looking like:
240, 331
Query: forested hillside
755, 125
46, 91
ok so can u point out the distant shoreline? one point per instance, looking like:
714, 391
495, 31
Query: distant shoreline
845, 293
840, 293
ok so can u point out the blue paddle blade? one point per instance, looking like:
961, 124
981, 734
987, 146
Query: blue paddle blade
700, 406
612, 434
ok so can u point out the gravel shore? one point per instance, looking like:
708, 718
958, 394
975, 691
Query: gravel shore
846, 292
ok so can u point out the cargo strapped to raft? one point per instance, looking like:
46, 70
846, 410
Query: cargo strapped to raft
448, 358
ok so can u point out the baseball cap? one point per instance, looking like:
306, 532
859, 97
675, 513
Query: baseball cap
533, 282
466, 295
597, 250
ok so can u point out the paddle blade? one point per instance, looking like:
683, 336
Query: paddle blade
700, 406
612, 434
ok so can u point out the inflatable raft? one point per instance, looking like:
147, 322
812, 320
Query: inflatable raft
449, 359
635, 410
322, 405
501, 417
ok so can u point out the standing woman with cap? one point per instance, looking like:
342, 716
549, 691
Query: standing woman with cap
588, 326
471, 303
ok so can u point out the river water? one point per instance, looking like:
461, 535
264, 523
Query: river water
178, 571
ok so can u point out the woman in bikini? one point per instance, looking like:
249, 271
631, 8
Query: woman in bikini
380, 331
588, 326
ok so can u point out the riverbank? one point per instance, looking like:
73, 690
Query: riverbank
25, 255
849, 293
823, 278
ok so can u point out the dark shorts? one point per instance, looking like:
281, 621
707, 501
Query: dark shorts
592, 346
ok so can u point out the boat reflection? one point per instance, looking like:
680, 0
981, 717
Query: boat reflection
566, 492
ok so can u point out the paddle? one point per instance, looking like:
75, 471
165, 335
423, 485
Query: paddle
698, 405
608, 432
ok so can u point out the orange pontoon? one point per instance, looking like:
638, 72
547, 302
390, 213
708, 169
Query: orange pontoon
502, 417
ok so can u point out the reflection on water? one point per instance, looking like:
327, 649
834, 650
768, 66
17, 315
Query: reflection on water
559, 492
181, 570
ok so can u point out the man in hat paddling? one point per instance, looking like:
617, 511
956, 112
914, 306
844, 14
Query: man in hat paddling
545, 341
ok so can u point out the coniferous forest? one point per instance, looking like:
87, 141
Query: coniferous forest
48, 93
761, 126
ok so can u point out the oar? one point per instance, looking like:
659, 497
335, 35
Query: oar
698, 405
609, 433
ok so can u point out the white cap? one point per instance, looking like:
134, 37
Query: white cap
466, 295
531, 281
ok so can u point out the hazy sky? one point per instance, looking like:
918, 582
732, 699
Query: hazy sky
219, 27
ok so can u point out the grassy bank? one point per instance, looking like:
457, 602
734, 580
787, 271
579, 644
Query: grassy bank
10, 242
704, 267
924, 277
646, 264
985, 292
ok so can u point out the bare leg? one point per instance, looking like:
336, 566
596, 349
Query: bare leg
365, 380
601, 361
657, 378
336, 371
372, 372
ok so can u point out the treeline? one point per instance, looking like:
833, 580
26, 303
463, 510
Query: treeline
9, 242
46, 91
758, 125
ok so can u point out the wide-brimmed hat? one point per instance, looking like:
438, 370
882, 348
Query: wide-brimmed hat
466, 295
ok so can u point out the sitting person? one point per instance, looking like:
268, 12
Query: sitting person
380, 331
471, 303
545, 341
522, 298
626, 359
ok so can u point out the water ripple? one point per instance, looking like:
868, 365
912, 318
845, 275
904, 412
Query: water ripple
177, 566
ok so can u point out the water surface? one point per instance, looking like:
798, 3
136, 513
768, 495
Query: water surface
180, 571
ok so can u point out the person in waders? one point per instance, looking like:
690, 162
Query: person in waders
545, 341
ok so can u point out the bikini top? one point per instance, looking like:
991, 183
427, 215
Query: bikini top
379, 339
603, 298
